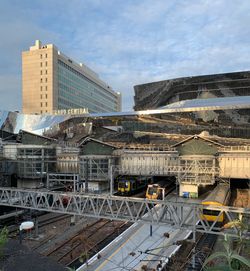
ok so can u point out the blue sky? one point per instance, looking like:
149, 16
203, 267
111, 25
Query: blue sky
126, 42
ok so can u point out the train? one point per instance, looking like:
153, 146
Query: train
129, 185
220, 196
154, 191
158, 190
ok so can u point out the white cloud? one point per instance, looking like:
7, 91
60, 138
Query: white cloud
132, 42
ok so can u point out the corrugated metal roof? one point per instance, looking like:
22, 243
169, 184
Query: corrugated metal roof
218, 195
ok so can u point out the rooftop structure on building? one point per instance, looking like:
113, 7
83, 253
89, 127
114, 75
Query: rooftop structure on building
54, 83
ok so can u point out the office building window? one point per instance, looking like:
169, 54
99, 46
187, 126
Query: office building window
41, 64
46, 96
46, 80
46, 72
46, 104
41, 88
41, 104
41, 111
74, 88
41, 56
46, 88
46, 63
41, 80
41, 72
46, 55
41, 96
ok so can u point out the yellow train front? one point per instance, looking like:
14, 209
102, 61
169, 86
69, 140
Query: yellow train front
154, 191
218, 197
125, 187
159, 189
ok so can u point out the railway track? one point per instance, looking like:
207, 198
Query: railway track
202, 250
101, 243
88, 240
191, 256
43, 221
58, 253
178, 261
170, 189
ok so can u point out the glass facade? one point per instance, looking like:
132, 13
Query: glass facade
77, 91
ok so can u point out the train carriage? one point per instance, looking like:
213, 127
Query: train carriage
128, 185
218, 197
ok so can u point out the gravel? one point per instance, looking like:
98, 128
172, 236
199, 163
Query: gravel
17, 257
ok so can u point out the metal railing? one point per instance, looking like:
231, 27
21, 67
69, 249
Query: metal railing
235, 148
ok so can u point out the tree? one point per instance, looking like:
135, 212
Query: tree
233, 259
3, 239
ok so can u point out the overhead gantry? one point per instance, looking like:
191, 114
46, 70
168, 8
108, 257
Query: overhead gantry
174, 213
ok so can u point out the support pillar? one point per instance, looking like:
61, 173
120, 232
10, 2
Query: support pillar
151, 230
111, 180
194, 237
36, 227
72, 220
47, 182
86, 175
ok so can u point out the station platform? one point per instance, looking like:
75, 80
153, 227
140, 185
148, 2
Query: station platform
135, 248
139, 245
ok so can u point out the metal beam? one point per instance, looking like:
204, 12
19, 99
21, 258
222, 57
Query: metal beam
178, 214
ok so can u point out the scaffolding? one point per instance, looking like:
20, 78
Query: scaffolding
95, 168
197, 170
8, 165
67, 181
34, 161
191, 169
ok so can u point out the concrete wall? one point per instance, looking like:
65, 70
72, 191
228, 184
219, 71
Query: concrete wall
96, 187
37, 80
188, 190
147, 164
234, 166
68, 163
96, 148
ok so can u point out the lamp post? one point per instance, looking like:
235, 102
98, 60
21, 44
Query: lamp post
112, 174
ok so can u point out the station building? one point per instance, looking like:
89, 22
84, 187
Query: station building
52, 82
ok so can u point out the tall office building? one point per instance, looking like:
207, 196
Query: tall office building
53, 82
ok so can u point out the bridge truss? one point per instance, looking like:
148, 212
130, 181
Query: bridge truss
177, 214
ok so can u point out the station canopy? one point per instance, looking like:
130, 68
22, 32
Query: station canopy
15, 121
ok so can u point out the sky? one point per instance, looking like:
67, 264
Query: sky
126, 42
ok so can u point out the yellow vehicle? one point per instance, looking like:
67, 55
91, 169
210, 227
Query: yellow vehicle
154, 191
160, 189
218, 197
